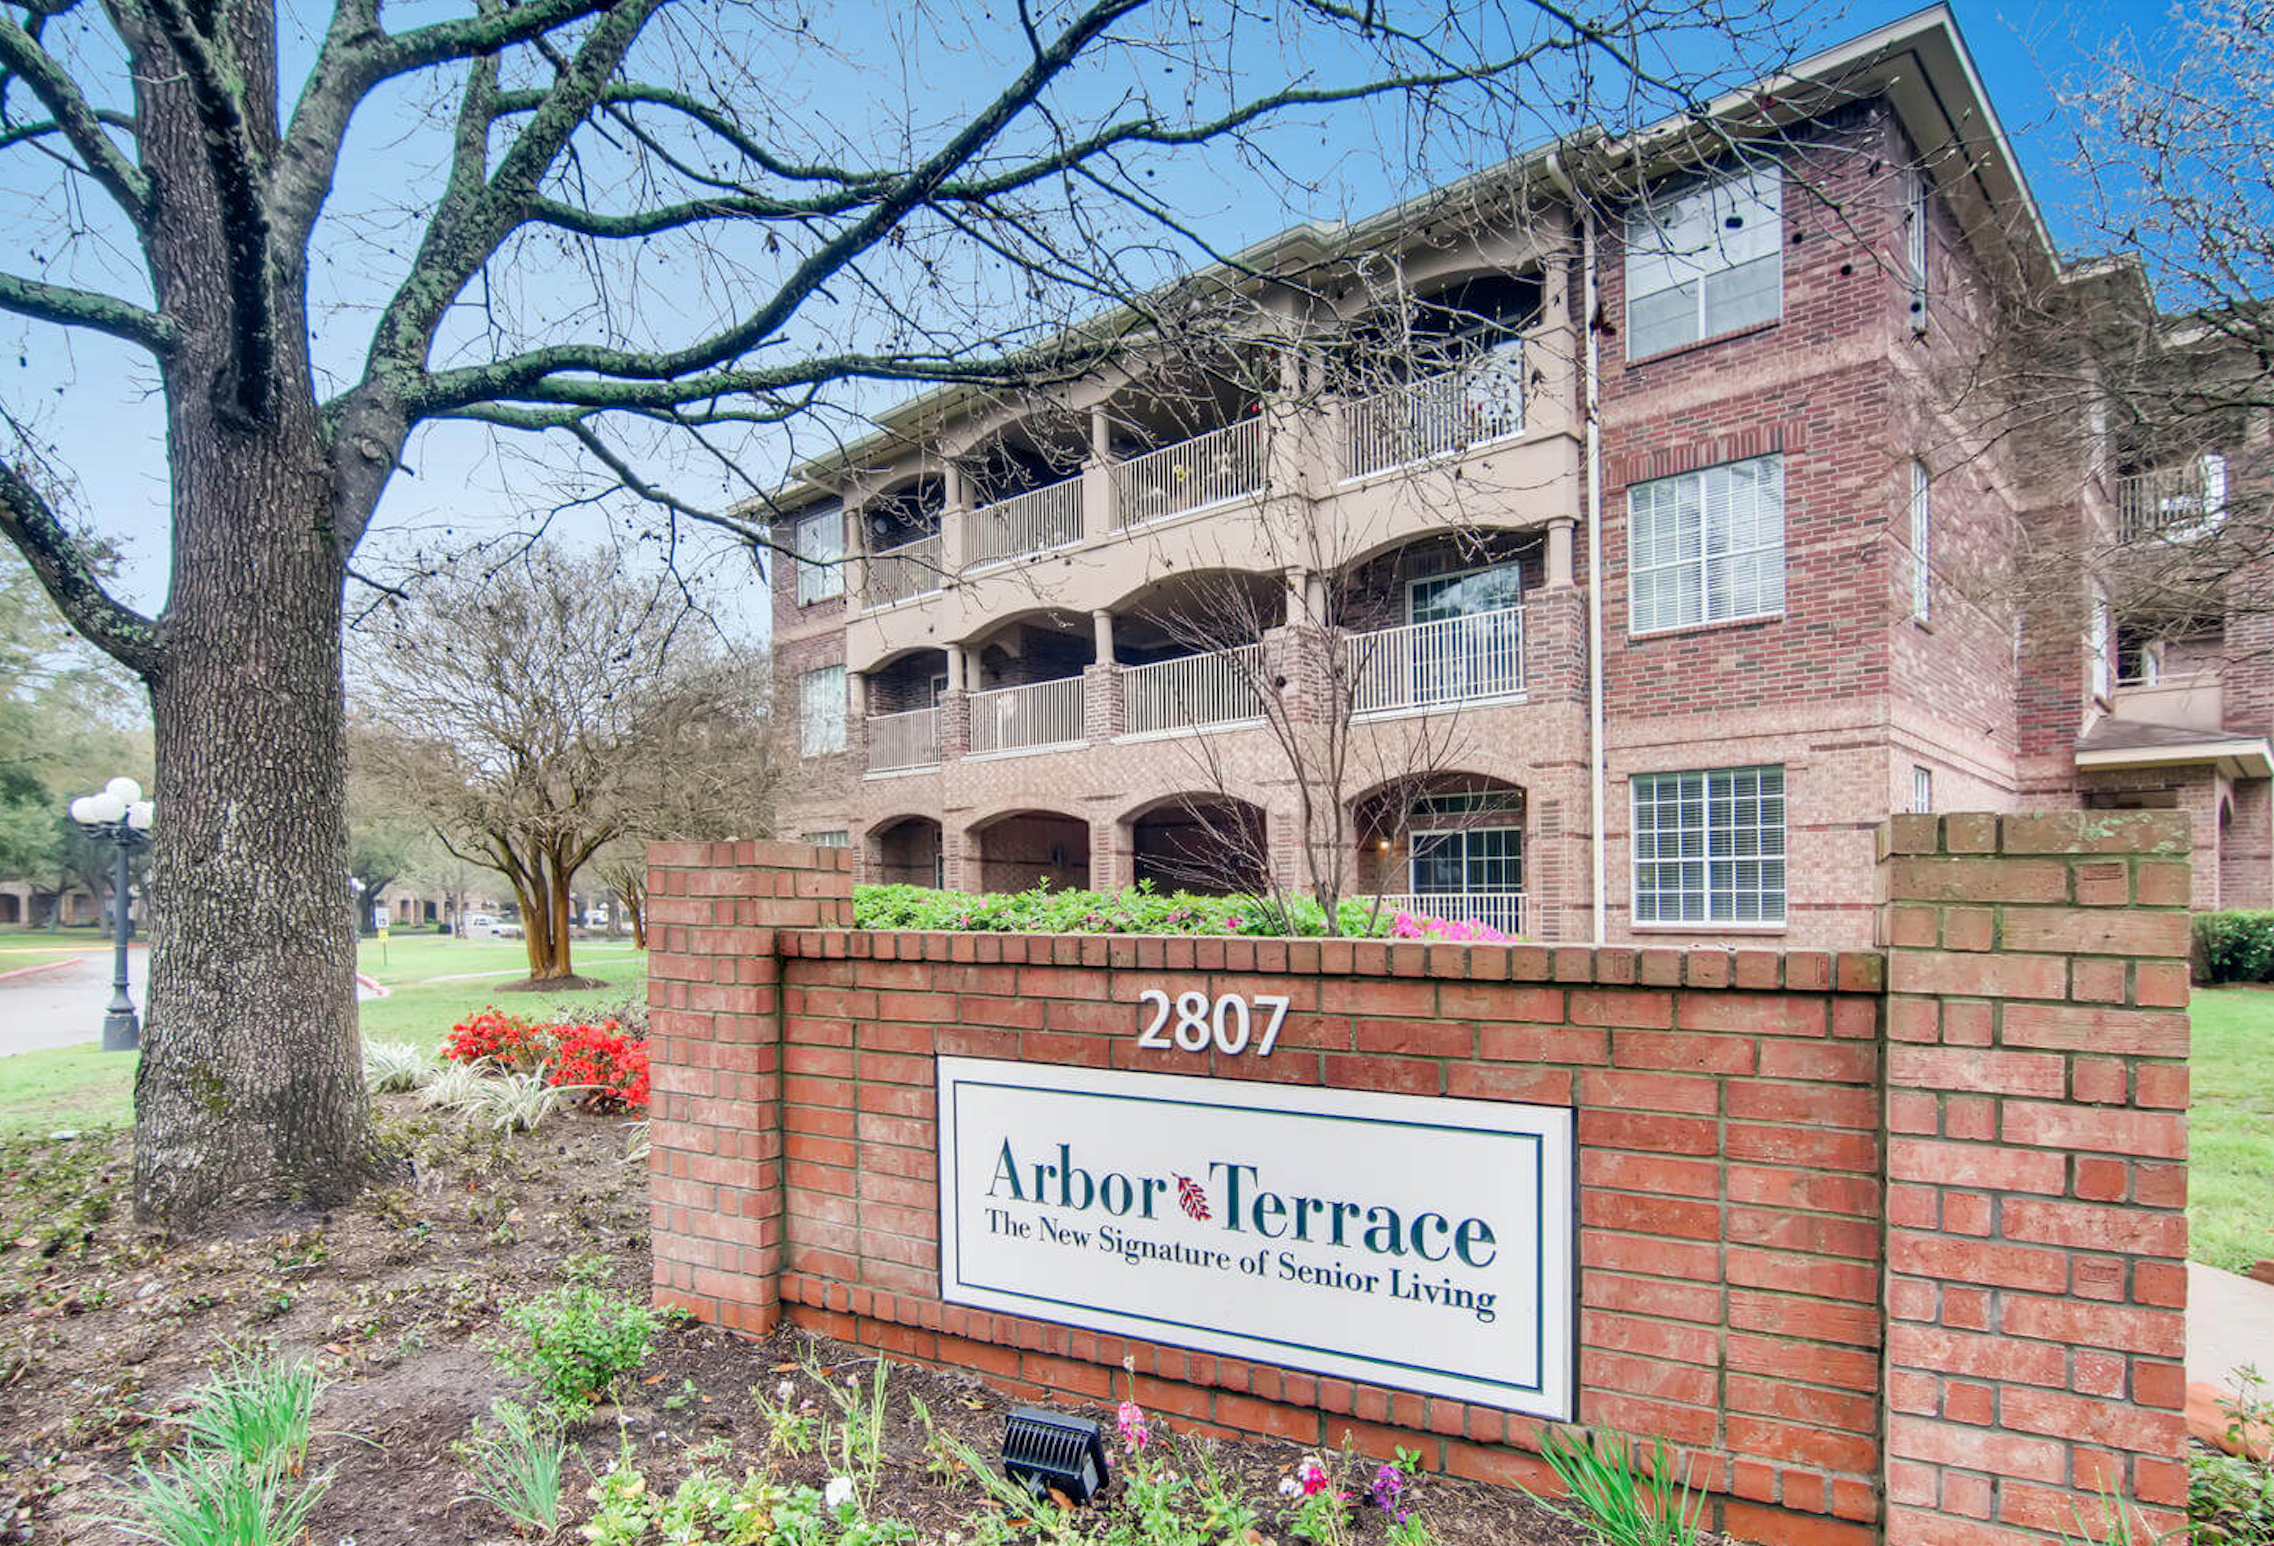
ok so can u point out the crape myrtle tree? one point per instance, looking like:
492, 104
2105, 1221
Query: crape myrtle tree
540, 706
646, 226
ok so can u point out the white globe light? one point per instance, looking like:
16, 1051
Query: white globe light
105, 807
140, 814
83, 809
127, 790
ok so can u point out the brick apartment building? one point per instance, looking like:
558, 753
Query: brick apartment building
1629, 632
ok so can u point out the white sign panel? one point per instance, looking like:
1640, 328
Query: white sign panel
1407, 1241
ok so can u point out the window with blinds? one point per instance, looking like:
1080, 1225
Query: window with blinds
1709, 846
821, 711
820, 539
1707, 546
1704, 261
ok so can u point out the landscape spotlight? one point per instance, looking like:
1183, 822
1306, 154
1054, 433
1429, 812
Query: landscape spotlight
1047, 1452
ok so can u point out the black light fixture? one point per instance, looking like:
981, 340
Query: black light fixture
1046, 1452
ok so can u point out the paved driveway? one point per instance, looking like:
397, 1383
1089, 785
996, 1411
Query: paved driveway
63, 1006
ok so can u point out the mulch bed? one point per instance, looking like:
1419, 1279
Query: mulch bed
106, 1328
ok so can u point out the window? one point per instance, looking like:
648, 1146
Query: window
1471, 642
828, 839
1709, 846
1705, 262
821, 711
1917, 186
1922, 581
1708, 546
1922, 790
1467, 860
2102, 645
820, 542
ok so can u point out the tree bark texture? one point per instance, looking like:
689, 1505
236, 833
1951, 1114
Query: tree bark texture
250, 1090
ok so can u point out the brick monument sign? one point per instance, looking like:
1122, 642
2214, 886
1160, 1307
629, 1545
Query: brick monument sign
1891, 1243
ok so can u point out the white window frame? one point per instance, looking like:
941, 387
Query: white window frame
2101, 644
1922, 539
820, 572
1917, 226
822, 712
1717, 850
1694, 240
1693, 566
836, 837
1922, 789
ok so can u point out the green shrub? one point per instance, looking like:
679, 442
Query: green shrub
2235, 946
580, 1343
1139, 910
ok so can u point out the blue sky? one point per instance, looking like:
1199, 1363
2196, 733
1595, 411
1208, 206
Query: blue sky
96, 406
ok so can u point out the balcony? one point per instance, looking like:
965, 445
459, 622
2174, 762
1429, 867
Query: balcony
1433, 665
2194, 700
1211, 469
896, 574
1437, 416
1034, 522
1502, 910
899, 743
1197, 692
1037, 717
2173, 504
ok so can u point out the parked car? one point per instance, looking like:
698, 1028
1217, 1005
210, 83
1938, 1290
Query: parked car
485, 926
596, 917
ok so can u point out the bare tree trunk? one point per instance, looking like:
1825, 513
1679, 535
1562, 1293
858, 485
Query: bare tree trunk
251, 1083
563, 920
636, 912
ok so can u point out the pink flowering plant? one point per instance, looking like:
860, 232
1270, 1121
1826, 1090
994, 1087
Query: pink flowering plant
1322, 1509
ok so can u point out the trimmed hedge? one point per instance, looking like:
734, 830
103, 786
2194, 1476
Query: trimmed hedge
1140, 910
2235, 946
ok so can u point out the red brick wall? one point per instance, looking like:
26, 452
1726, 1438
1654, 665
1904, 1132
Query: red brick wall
1734, 1113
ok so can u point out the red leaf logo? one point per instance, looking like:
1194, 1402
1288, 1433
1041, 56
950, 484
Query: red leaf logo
1191, 1198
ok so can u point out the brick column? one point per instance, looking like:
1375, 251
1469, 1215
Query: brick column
2036, 1110
1101, 703
715, 1017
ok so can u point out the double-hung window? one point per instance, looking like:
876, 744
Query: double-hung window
1704, 261
821, 711
1709, 846
820, 543
1922, 579
1707, 547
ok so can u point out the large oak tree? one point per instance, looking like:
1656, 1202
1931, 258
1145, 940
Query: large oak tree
650, 222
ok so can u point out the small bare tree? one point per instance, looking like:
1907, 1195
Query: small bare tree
543, 707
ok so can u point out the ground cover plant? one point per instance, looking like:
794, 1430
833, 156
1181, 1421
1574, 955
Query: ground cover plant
1141, 909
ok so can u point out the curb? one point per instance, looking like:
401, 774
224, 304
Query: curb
33, 971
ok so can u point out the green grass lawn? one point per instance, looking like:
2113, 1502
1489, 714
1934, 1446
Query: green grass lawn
2230, 1182
81, 1087
16, 958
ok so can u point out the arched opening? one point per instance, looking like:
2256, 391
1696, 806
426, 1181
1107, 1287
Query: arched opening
11, 907
907, 852
1212, 844
1447, 845
1028, 848
1438, 621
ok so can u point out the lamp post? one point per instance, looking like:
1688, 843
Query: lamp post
118, 815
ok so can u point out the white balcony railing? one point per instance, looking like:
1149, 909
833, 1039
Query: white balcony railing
1033, 522
2177, 503
1435, 416
1502, 910
1194, 692
1208, 469
1029, 718
1429, 665
898, 573
898, 741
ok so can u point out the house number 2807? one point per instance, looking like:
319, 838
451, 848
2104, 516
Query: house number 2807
1191, 1023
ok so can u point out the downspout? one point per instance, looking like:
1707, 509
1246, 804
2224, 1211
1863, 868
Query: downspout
1592, 407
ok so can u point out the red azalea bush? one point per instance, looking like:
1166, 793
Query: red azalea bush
610, 1063
506, 1040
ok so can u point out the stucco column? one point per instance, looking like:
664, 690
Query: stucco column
955, 682
955, 522
1560, 535
1101, 627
